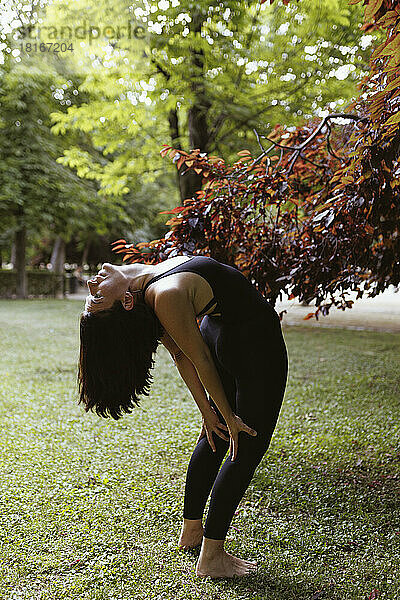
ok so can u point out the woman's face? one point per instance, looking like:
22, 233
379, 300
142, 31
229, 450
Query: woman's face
109, 285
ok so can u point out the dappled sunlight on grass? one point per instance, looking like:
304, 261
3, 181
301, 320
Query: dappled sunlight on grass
91, 508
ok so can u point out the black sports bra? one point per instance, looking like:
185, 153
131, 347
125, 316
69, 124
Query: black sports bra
181, 268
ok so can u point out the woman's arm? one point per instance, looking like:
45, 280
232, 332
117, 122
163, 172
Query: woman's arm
175, 311
211, 422
188, 373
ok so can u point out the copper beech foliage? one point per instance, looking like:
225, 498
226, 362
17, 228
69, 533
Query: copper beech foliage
317, 212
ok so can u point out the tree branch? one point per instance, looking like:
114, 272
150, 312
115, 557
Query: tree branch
297, 149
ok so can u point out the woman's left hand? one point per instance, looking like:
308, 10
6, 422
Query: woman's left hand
235, 425
212, 424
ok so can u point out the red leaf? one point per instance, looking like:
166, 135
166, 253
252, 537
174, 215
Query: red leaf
309, 316
165, 151
373, 595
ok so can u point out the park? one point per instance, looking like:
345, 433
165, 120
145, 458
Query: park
241, 132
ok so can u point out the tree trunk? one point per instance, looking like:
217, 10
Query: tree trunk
190, 182
13, 257
57, 263
197, 113
85, 253
174, 133
19, 265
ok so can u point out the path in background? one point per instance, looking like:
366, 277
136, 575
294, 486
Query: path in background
381, 313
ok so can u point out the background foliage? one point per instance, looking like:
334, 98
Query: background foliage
317, 218
202, 76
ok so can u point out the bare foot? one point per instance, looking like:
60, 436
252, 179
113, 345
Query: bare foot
214, 561
191, 534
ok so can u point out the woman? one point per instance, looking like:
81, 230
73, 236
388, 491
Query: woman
238, 356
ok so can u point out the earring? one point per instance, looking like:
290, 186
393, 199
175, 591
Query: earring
128, 301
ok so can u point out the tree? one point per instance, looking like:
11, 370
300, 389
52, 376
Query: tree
41, 198
205, 75
317, 218
35, 191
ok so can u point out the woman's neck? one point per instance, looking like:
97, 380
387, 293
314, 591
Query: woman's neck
137, 274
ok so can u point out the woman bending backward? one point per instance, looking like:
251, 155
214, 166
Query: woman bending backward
235, 366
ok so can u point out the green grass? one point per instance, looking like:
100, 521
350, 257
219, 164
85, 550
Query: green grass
91, 508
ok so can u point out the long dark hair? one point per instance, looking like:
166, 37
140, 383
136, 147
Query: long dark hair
116, 356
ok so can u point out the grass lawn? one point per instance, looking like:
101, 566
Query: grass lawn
91, 508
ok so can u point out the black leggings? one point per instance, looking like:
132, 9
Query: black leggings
251, 360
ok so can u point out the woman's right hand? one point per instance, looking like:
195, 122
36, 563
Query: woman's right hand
235, 425
211, 423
